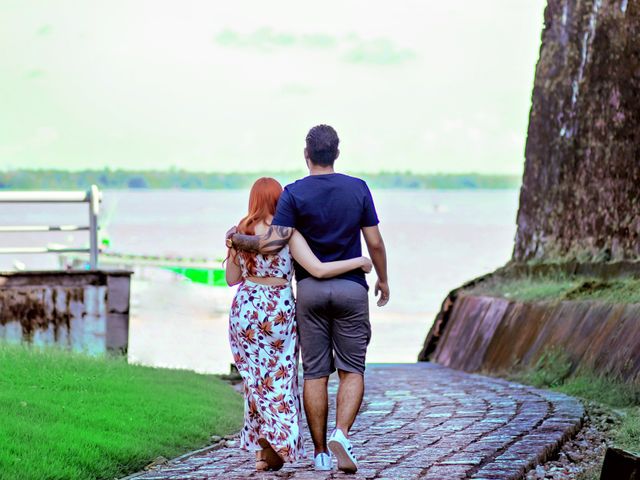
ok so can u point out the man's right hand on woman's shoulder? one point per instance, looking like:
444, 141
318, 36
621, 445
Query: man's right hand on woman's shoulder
228, 237
233, 230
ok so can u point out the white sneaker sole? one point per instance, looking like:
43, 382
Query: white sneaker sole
345, 462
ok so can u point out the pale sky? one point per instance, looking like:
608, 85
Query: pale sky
420, 85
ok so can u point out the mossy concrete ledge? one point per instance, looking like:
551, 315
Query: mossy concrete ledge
491, 334
85, 311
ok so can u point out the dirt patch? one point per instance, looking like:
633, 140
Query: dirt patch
582, 456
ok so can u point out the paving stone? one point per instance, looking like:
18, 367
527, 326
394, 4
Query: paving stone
423, 421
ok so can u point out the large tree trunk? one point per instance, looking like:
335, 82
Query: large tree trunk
580, 196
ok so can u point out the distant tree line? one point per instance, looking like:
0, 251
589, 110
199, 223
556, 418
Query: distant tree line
29, 179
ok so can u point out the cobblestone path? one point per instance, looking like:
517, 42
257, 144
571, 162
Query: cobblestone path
425, 421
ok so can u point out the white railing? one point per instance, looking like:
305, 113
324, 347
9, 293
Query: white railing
92, 197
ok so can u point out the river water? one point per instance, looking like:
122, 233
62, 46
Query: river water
435, 241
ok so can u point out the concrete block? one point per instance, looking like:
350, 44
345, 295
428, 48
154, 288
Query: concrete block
620, 465
119, 288
117, 332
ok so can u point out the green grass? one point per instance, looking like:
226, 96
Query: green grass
551, 370
623, 399
623, 290
628, 435
68, 416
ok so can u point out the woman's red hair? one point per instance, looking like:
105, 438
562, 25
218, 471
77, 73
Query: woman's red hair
263, 200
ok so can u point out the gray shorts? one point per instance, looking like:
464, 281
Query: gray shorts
333, 326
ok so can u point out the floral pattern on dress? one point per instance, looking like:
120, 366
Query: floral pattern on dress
264, 343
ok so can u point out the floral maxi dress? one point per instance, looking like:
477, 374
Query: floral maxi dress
264, 343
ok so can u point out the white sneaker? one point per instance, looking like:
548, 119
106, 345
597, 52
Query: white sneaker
323, 462
341, 448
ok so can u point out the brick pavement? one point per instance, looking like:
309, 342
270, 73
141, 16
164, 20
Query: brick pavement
425, 421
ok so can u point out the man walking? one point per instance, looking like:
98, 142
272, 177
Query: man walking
331, 211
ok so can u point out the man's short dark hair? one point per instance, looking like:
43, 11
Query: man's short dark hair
322, 145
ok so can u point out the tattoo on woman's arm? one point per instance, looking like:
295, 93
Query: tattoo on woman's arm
246, 243
275, 239
271, 242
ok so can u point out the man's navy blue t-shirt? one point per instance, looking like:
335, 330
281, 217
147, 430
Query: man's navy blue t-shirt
329, 211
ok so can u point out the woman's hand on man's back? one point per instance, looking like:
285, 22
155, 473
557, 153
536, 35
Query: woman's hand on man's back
367, 264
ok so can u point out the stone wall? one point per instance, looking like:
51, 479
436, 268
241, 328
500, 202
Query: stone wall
495, 335
580, 196
84, 311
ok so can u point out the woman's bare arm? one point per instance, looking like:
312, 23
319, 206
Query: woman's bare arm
233, 273
303, 254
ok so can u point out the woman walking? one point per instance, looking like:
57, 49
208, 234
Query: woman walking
262, 332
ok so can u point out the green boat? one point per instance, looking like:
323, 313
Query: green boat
214, 277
